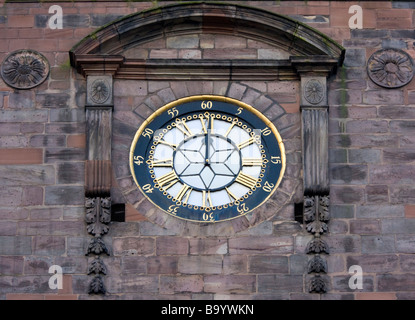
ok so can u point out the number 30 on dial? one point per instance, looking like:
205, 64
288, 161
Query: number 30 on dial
207, 158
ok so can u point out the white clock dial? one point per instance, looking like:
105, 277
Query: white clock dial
206, 161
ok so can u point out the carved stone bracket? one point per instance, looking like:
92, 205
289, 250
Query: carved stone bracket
98, 215
316, 217
98, 174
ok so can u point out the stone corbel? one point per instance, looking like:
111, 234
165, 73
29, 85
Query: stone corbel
98, 173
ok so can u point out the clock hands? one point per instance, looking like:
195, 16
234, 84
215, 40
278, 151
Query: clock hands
207, 145
208, 140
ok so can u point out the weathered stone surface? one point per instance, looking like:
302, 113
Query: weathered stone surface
280, 283
399, 282
176, 284
379, 211
52, 228
69, 195
258, 244
230, 284
268, 264
378, 244
171, 246
211, 264
16, 245
375, 263
27, 175
132, 283
11, 265
208, 246
348, 174
162, 265
132, 246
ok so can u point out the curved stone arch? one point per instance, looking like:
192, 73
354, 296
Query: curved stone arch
102, 50
148, 25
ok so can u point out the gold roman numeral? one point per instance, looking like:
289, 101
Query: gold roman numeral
232, 197
185, 189
229, 129
168, 144
246, 143
246, 180
204, 130
206, 199
162, 163
168, 180
183, 127
251, 161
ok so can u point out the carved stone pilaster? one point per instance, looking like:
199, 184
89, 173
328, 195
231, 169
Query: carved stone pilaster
98, 174
99, 132
315, 149
314, 113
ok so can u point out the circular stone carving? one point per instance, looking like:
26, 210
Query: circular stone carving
313, 91
100, 91
390, 68
24, 69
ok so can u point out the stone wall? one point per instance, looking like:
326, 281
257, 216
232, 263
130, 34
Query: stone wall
372, 167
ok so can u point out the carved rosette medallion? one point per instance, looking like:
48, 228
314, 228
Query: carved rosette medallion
390, 68
24, 69
313, 91
99, 91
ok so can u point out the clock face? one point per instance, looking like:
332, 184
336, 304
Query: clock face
207, 158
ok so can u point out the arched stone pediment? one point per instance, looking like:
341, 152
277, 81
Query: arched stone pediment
103, 51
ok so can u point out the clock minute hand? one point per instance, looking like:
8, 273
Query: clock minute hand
207, 149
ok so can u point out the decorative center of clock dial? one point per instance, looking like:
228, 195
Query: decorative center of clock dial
207, 161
